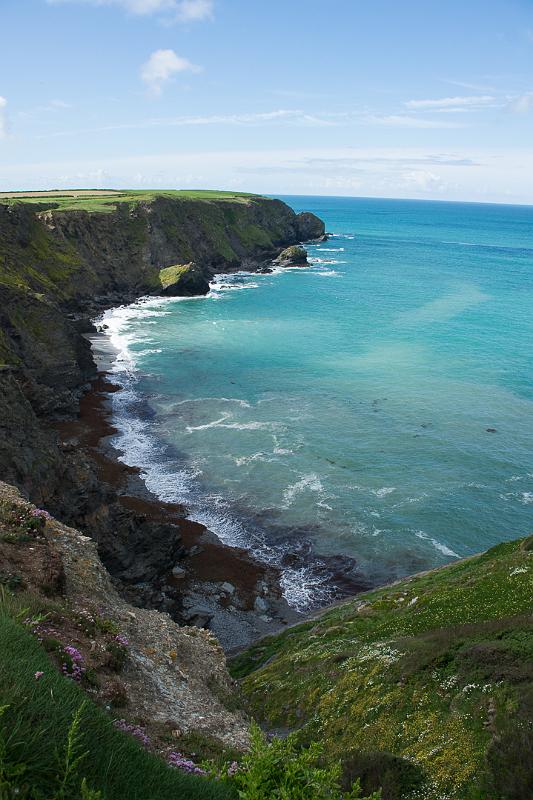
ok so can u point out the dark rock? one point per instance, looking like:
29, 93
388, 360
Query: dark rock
310, 227
187, 280
199, 615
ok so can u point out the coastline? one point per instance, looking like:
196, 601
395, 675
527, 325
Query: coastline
158, 557
234, 594
267, 598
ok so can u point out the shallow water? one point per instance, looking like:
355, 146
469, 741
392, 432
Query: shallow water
347, 405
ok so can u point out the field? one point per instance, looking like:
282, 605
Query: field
105, 200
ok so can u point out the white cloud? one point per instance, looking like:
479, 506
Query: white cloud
181, 10
194, 10
406, 121
3, 118
161, 66
290, 117
423, 179
472, 102
522, 104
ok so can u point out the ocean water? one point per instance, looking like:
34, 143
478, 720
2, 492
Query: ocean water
376, 406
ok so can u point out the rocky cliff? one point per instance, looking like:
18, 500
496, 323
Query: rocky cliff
169, 676
58, 268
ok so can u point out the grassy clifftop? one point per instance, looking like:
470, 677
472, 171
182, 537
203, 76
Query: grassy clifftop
435, 670
72, 248
105, 200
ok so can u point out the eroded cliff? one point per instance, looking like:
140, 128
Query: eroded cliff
58, 268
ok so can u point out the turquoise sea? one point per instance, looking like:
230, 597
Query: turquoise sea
376, 406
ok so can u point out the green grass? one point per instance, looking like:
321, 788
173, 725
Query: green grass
436, 669
108, 203
170, 275
35, 727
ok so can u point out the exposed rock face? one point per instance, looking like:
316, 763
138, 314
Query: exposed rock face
295, 256
184, 280
310, 226
172, 674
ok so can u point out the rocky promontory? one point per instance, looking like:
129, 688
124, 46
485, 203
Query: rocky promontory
59, 267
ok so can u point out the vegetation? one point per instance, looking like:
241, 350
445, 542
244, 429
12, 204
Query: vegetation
426, 684
106, 201
282, 770
57, 745
170, 275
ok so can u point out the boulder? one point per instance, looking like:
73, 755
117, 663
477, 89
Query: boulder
260, 605
178, 572
199, 615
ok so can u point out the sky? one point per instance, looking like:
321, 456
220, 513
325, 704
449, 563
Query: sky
382, 98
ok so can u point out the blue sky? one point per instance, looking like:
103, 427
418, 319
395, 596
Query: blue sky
384, 98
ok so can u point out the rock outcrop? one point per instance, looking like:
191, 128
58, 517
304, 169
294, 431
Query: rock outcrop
294, 256
172, 676
183, 280
310, 227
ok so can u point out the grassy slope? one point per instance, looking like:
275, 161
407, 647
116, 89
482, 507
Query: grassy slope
35, 726
436, 669
107, 203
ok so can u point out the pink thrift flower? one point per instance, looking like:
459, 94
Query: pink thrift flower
38, 675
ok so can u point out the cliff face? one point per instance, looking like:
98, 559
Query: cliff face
174, 678
81, 261
59, 268
92, 254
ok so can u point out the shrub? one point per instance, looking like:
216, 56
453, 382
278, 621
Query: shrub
396, 776
116, 656
279, 770
510, 763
